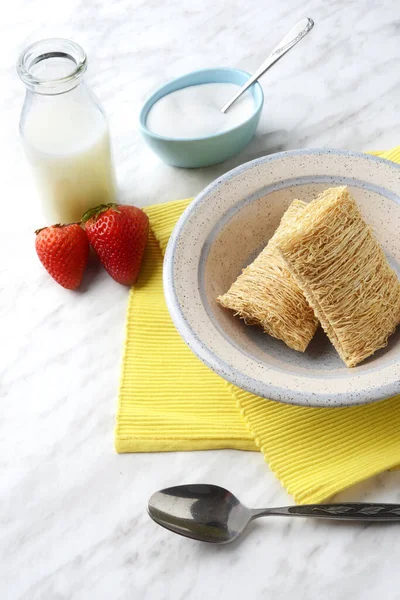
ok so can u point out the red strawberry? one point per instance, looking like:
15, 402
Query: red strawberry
118, 234
63, 250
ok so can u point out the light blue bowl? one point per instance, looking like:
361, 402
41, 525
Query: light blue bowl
213, 149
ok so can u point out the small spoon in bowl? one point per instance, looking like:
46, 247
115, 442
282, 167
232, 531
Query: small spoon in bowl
295, 35
210, 513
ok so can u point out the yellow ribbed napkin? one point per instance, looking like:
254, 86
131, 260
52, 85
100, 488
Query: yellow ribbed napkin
169, 400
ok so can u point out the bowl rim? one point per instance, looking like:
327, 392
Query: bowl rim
206, 355
161, 93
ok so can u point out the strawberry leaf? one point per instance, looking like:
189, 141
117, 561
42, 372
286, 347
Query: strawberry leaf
97, 211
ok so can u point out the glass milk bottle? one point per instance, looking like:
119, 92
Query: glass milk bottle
64, 131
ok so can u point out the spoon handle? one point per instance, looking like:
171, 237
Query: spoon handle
290, 40
349, 511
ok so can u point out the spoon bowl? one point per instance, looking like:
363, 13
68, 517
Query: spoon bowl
210, 513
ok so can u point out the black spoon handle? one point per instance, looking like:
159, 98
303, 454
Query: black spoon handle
349, 511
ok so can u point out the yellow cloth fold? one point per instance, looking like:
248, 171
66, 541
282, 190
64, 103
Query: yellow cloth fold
169, 400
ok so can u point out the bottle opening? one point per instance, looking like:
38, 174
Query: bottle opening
52, 66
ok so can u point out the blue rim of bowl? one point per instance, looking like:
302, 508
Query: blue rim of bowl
155, 97
207, 356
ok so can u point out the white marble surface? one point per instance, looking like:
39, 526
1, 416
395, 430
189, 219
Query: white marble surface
72, 512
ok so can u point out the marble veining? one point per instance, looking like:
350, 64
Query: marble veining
72, 512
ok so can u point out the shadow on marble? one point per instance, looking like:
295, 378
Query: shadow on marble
388, 484
261, 145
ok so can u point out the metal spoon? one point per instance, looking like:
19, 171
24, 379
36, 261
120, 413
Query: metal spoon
290, 40
210, 513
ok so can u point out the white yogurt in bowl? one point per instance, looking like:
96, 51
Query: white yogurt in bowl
195, 111
183, 124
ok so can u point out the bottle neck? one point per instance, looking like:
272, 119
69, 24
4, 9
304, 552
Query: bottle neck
52, 67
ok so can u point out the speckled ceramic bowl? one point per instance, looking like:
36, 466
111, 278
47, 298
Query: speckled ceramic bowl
226, 227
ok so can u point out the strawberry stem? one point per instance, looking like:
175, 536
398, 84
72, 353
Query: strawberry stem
97, 211
56, 225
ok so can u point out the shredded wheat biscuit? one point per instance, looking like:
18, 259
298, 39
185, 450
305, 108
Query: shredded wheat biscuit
344, 274
265, 294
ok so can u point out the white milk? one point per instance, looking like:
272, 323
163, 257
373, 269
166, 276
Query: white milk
195, 111
67, 142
